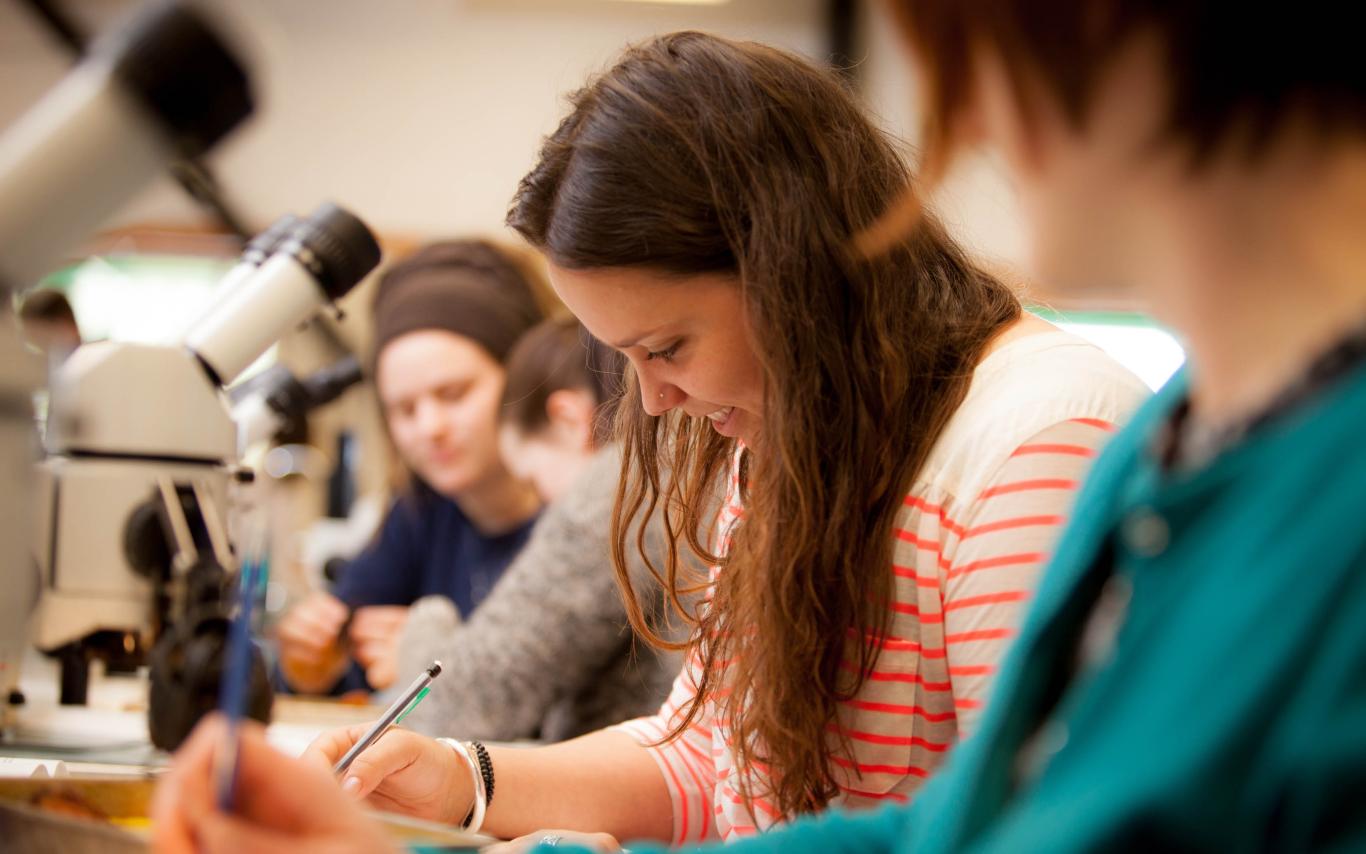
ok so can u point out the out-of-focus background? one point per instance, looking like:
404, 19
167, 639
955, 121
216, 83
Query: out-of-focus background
420, 116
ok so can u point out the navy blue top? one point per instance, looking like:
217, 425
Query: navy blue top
427, 546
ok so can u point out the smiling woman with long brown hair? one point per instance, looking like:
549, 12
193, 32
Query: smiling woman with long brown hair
897, 441
696, 208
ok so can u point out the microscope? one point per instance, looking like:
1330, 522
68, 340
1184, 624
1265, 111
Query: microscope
128, 517
133, 535
274, 404
163, 87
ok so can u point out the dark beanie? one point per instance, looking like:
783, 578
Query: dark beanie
468, 287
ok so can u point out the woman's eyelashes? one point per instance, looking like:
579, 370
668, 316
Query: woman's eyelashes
667, 354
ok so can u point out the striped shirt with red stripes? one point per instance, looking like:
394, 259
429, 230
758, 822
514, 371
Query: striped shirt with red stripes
971, 536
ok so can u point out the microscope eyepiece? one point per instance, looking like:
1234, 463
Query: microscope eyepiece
162, 87
320, 259
260, 247
337, 248
207, 95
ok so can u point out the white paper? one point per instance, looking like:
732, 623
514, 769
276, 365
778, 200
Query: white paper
19, 766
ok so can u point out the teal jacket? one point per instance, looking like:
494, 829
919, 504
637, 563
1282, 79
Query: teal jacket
1231, 712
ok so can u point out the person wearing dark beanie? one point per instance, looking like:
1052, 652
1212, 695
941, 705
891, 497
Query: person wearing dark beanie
445, 319
470, 288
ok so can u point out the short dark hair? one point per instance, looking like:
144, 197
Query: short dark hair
1241, 73
46, 305
555, 355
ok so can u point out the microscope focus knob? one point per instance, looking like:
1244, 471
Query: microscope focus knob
187, 672
144, 542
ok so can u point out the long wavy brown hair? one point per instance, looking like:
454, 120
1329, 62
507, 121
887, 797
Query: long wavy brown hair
695, 154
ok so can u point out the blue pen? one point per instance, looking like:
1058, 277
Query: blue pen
232, 691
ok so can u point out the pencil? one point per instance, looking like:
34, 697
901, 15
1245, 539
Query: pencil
236, 679
406, 702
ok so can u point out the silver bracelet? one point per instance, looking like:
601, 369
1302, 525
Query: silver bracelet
475, 819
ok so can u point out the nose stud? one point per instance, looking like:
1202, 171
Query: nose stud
661, 395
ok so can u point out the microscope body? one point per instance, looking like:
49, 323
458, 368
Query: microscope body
121, 417
133, 543
130, 428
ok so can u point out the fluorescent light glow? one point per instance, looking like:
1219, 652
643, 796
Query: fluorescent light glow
1149, 352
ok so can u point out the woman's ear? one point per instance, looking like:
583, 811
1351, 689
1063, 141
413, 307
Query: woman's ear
571, 412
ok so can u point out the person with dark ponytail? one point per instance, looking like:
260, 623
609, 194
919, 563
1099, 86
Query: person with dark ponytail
901, 445
560, 404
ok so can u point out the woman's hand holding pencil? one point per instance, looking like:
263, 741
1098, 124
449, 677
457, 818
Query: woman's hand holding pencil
401, 772
406, 702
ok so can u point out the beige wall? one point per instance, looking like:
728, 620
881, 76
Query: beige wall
418, 114
976, 202
422, 114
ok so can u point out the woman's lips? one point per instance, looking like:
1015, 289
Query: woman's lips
721, 420
443, 458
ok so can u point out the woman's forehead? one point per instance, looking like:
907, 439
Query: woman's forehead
415, 361
624, 307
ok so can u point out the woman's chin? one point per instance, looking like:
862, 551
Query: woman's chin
448, 483
743, 427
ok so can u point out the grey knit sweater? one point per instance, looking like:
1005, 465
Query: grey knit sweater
549, 653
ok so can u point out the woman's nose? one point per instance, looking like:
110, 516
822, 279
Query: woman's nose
430, 420
658, 398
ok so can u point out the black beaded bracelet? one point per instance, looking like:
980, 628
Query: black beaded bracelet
485, 770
